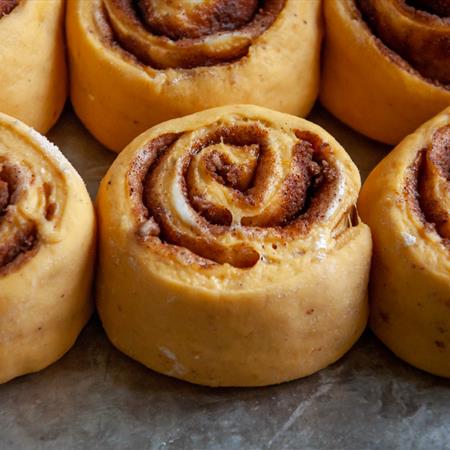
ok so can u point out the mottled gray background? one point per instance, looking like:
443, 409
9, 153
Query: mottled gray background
97, 398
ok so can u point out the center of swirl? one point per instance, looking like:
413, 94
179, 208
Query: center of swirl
178, 19
215, 191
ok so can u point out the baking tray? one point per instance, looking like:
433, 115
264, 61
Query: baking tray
97, 398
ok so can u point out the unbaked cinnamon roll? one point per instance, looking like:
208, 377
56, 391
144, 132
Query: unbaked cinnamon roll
386, 64
406, 202
231, 252
46, 251
33, 79
137, 63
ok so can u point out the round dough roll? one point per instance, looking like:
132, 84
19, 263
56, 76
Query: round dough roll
231, 252
47, 230
33, 79
136, 64
386, 65
406, 202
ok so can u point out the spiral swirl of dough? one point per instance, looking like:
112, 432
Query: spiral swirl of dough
233, 232
47, 251
406, 202
238, 191
187, 33
428, 184
418, 31
32, 200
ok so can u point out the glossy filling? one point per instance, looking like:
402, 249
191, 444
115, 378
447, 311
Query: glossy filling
418, 31
217, 190
186, 33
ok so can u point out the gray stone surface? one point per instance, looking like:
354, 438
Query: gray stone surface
97, 398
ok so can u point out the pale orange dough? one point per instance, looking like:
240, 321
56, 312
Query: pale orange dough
118, 97
410, 279
47, 224
296, 308
366, 86
33, 78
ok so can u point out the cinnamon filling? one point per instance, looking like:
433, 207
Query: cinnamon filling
418, 31
10, 180
24, 239
237, 162
6, 6
4, 196
428, 184
187, 34
17, 247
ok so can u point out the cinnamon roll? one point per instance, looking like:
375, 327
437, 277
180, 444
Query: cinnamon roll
33, 79
386, 64
231, 252
406, 202
46, 251
137, 63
